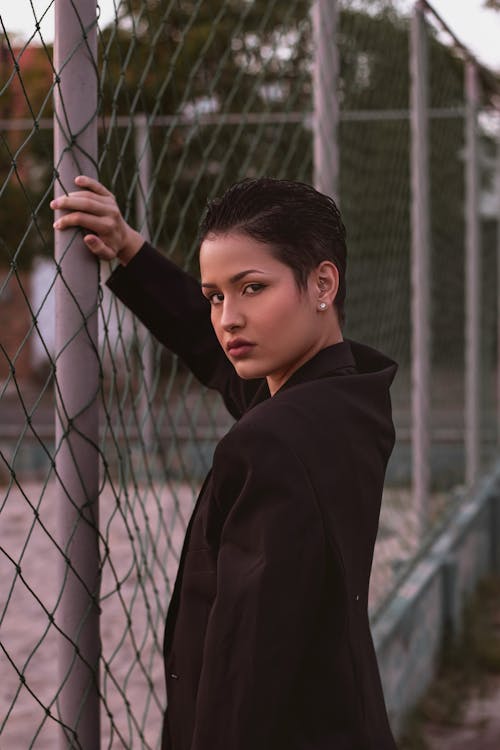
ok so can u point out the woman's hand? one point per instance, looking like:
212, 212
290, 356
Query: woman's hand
95, 209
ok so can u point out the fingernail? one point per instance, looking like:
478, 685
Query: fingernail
56, 225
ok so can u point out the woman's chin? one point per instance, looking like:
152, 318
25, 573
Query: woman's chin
249, 370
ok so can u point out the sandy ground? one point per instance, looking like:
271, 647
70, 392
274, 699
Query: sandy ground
144, 543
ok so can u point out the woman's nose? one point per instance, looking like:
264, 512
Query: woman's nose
231, 317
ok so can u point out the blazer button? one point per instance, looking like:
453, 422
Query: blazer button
174, 676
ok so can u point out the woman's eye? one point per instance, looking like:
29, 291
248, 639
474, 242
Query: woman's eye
216, 298
253, 288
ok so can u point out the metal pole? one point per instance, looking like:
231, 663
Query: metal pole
77, 384
325, 86
472, 278
420, 267
497, 189
143, 158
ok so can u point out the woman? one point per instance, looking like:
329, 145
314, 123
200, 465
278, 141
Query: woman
267, 642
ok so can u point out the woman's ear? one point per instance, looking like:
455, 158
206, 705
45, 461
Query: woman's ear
326, 282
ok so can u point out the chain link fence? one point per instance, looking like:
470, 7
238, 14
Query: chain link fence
189, 97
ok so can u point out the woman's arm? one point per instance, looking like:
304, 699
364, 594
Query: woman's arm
166, 299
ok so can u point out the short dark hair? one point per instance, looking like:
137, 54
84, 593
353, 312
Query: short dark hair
302, 226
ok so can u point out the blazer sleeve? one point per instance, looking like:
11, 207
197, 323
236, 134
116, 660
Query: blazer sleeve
270, 575
172, 307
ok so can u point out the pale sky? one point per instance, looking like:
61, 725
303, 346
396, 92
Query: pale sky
476, 27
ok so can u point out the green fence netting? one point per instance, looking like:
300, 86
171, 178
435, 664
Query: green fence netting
193, 95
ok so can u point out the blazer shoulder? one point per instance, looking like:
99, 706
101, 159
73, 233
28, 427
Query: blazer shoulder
288, 416
269, 423
256, 431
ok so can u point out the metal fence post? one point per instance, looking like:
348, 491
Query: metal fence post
497, 188
143, 158
420, 266
472, 278
325, 18
77, 383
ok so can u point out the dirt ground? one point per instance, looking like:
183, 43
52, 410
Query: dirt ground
480, 722
461, 710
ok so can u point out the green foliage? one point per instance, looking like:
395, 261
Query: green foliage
25, 153
165, 55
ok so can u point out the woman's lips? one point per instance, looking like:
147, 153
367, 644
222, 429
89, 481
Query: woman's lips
239, 348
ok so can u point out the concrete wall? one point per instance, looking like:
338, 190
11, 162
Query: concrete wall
428, 606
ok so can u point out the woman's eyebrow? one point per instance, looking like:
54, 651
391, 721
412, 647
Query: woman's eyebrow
233, 279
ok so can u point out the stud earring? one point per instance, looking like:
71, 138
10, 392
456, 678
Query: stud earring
322, 306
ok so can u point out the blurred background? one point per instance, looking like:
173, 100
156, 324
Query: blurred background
378, 103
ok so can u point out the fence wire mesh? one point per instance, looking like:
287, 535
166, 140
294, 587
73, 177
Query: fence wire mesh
194, 95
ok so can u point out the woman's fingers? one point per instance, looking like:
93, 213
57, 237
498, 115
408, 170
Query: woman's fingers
90, 184
104, 225
85, 202
97, 198
98, 247
95, 209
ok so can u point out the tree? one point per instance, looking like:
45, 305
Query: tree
25, 152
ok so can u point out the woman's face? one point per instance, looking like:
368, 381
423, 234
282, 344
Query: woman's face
267, 326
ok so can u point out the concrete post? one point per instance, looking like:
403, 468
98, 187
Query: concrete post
77, 382
472, 279
420, 267
325, 86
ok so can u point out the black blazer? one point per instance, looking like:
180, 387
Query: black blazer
267, 641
